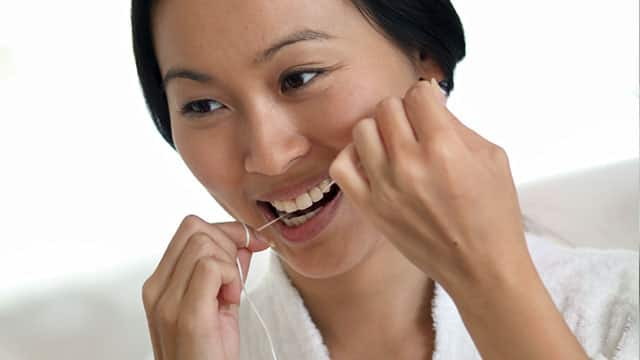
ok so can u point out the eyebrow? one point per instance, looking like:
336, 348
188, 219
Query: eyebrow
175, 73
295, 37
264, 56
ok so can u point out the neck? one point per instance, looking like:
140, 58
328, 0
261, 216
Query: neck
383, 300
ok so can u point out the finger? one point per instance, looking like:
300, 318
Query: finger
199, 318
394, 127
214, 281
425, 112
345, 170
200, 245
191, 225
369, 147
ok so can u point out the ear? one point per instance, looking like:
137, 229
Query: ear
426, 67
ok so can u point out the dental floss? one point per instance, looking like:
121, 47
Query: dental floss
246, 294
270, 223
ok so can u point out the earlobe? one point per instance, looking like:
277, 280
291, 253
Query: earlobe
427, 67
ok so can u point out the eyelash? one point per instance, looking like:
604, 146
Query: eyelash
187, 109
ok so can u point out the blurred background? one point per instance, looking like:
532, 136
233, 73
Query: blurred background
90, 194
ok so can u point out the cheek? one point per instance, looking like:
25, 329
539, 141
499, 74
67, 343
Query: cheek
210, 157
356, 94
344, 106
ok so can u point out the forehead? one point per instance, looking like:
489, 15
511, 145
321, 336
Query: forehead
223, 29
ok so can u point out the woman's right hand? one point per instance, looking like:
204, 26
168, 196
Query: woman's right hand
192, 298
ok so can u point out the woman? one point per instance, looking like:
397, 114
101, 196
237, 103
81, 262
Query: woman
417, 251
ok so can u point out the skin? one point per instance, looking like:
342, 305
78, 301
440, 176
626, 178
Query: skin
367, 107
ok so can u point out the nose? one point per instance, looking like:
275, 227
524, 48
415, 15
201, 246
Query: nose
274, 141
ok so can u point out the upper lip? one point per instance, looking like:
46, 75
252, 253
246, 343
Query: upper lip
292, 191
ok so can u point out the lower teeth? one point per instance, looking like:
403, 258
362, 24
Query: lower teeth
299, 220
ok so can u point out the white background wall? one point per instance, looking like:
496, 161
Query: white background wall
88, 187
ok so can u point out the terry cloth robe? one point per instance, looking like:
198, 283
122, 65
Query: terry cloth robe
595, 290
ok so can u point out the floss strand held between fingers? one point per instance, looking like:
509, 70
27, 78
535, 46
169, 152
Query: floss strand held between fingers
247, 235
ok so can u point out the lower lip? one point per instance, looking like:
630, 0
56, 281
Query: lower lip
306, 232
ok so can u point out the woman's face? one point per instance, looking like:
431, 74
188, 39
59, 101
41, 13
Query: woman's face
248, 125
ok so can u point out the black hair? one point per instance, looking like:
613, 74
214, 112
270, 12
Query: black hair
430, 27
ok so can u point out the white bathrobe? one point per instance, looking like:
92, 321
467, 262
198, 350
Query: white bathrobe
595, 290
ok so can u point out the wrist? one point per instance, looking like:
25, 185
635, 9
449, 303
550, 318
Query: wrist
490, 295
491, 278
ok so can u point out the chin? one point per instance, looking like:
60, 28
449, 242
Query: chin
333, 256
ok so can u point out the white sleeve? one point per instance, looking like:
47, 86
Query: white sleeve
627, 347
623, 330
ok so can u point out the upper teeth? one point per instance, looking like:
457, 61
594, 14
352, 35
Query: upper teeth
305, 200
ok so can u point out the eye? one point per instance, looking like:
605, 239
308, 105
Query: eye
298, 79
201, 107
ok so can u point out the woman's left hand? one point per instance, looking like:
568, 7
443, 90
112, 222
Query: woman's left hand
436, 189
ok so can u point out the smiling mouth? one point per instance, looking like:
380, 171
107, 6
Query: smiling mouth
327, 198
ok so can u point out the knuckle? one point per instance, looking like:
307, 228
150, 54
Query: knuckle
202, 242
500, 157
207, 265
439, 144
497, 152
407, 174
191, 222
222, 255
409, 166
149, 293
